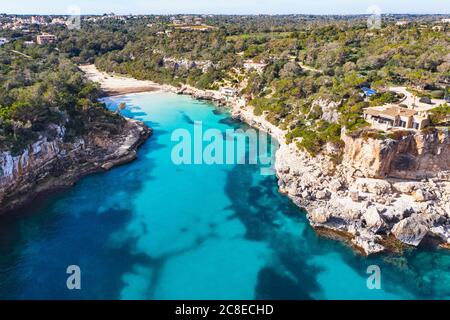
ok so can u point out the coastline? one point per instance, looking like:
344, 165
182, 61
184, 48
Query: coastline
114, 85
32, 176
381, 219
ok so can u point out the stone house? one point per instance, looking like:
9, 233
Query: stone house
395, 117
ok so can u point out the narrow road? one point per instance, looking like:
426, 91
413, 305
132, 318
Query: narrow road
22, 54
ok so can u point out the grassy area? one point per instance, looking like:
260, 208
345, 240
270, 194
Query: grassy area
313, 139
440, 115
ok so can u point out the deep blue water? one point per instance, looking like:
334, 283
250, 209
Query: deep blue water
154, 230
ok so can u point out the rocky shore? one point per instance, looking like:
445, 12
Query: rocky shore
382, 196
373, 214
51, 165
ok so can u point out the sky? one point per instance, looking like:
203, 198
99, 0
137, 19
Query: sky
224, 6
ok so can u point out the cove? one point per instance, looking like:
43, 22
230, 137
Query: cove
152, 229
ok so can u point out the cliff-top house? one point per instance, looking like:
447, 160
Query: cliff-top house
395, 117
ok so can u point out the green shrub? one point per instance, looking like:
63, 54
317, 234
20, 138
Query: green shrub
440, 114
437, 94
399, 134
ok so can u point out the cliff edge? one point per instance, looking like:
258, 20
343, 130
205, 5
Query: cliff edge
52, 164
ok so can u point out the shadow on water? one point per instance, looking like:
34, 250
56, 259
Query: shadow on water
233, 123
87, 225
74, 227
289, 275
186, 118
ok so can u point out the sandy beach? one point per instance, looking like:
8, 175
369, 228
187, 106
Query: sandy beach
114, 85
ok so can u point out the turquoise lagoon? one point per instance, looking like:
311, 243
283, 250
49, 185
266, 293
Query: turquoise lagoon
155, 230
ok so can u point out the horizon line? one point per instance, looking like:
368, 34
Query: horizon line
228, 14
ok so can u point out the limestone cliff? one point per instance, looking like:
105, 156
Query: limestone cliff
372, 199
47, 165
415, 156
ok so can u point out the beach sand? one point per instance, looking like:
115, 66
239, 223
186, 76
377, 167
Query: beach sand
114, 85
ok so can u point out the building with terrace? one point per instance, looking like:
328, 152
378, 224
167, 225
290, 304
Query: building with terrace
391, 117
46, 38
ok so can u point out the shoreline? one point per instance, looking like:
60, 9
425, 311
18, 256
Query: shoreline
116, 85
325, 190
67, 164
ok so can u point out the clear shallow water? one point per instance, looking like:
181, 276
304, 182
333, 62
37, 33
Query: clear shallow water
153, 230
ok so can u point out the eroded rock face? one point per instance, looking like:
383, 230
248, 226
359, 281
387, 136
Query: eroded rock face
319, 216
52, 164
370, 195
416, 156
406, 187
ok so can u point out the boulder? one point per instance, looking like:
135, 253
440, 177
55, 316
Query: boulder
107, 166
335, 185
410, 231
322, 194
422, 195
350, 215
443, 232
319, 216
376, 186
354, 195
373, 219
406, 187
305, 194
368, 242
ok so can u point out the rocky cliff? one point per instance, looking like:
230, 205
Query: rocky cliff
47, 165
372, 200
415, 156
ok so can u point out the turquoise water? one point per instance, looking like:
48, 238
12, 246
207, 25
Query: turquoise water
154, 230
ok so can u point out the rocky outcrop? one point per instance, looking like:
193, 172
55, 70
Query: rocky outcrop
175, 64
410, 231
415, 156
353, 199
382, 190
51, 164
328, 109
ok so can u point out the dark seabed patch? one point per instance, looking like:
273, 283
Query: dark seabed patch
155, 230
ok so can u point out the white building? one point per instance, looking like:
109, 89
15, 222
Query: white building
229, 92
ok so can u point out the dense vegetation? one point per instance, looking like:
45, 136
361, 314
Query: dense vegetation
311, 61
42, 93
